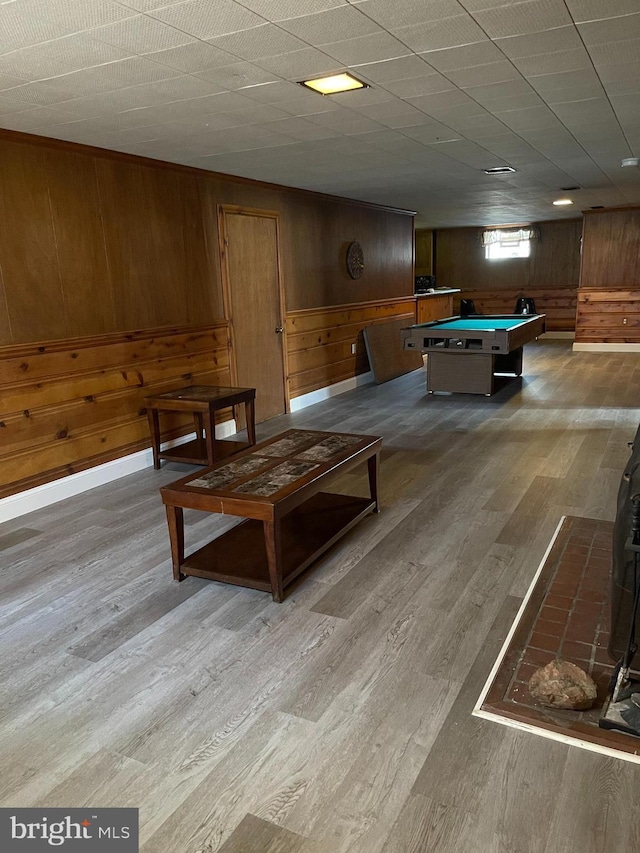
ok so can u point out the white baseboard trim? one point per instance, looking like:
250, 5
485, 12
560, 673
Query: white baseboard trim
329, 391
22, 503
606, 347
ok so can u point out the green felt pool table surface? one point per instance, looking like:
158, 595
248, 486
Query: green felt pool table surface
484, 323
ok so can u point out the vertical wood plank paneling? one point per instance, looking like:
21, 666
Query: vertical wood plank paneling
201, 265
611, 249
554, 260
126, 222
30, 267
79, 235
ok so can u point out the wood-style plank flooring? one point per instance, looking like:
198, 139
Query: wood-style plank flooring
340, 720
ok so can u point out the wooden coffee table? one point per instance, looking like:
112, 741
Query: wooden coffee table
202, 401
277, 486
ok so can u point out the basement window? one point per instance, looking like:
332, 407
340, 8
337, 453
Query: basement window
502, 243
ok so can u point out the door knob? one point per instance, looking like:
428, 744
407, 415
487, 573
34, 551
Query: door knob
279, 330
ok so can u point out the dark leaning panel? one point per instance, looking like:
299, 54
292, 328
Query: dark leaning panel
465, 353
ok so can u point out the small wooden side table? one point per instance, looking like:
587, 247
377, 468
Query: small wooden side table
202, 401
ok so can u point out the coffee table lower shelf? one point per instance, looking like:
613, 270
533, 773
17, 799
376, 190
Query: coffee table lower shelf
239, 556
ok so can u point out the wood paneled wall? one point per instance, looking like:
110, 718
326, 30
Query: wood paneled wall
319, 341
554, 260
94, 242
68, 405
609, 294
558, 304
611, 249
608, 315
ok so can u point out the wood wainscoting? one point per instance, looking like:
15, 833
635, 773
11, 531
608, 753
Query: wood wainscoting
70, 405
319, 341
608, 316
558, 303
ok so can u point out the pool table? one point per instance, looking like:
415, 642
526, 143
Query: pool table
465, 353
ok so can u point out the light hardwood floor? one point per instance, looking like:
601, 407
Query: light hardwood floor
340, 720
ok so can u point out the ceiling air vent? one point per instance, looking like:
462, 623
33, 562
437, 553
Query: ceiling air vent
499, 170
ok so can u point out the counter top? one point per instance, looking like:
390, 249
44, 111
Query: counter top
439, 291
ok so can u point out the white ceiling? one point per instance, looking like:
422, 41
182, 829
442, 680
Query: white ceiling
550, 87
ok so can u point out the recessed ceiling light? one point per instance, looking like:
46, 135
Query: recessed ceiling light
499, 170
334, 84
560, 202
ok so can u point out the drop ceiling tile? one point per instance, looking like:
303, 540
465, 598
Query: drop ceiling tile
514, 102
253, 113
407, 13
302, 130
450, 115
195, 56
141, 35
584, 112
615, 52
279, 91
562, 38
467, 56
236, 76
42, 93
267, 40
531, 16
493, 72
7, 82
205, 20
438, 100
586, 91
114, 75
610, 29
81, 51
22, 26
299, 65
628, 87
389, 70
31, 64
498, 91
366, 49
627, 71
553, 63
322, 27
594, 10
77, 15
414, 88
431, 131
8, 108
303, 106
539, 118
148, 5
280, 10
564, 80
473, 6
447, 32
391, 109
345, 121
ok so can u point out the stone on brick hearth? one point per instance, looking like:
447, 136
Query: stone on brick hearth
561, 684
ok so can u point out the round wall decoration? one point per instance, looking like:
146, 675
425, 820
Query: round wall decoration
355, 260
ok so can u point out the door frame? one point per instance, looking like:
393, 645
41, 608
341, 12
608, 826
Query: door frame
234, 209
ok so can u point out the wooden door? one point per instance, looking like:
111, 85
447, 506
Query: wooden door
254, 305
